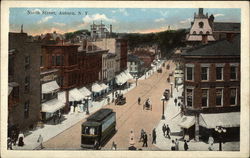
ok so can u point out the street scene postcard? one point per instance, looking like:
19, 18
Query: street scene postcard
116, 78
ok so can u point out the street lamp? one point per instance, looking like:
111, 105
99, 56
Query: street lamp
171, 89
220, 131
87, 103
163, 116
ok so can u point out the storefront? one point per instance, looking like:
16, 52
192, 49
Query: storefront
50, 108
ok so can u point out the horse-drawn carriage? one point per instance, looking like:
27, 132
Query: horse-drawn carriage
120, 100
147, 105
159, 70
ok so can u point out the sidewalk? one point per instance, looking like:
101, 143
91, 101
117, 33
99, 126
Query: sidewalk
170, 112
151, 71
68, 120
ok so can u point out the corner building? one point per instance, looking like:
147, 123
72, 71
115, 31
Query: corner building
212, 89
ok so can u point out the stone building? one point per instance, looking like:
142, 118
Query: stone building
98, 31
212, 89
135, 66
205, 29
24, 81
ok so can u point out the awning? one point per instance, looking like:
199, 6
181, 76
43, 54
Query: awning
96, 88
104, 86
187, 121
9, 90
52, 106
231, 119
49, 87
129, 76
75, 94
85, 91
120, 80
62, 97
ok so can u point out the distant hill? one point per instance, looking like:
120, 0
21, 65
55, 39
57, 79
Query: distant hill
166, 40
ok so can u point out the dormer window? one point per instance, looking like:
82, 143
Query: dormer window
194, 32
201, 24
207, 32
201, 32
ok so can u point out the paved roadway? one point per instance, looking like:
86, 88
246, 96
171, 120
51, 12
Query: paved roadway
130, 116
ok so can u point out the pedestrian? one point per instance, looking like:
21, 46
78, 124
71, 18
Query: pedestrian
132, 138
211, 143
172, 145
139, 101
154, 136
175, 101
145, 140
164, 128
185, 145
59, 116
179, 104
40, 140
54, 118
20, 139
142, 134
9, 143
176, 144
96, 144
168, 132
114, 146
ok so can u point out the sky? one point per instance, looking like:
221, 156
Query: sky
38, 21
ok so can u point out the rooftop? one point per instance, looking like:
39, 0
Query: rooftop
218, 48
226, 26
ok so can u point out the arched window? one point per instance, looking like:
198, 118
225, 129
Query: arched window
201, 32
201, 24
194, 32
207, 32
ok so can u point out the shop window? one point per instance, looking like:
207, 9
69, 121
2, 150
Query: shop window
219, 97
233, 98
58, 60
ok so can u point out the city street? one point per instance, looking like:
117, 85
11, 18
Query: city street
130, 116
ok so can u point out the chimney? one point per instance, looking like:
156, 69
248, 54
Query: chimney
22, 28
110, 29
200, 11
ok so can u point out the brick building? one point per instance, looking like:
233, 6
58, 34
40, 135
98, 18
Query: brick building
146, 56
212, 88
64, 58
24, 82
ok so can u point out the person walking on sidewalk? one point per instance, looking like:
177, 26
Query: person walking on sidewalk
164, 128
154, 136
168, 132
172, 145
185, 145
175, 101
176, 144
40, 140
142, 135
139, 101
145, 140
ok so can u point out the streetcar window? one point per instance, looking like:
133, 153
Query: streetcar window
90, 130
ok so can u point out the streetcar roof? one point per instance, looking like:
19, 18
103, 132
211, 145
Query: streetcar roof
99, 115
